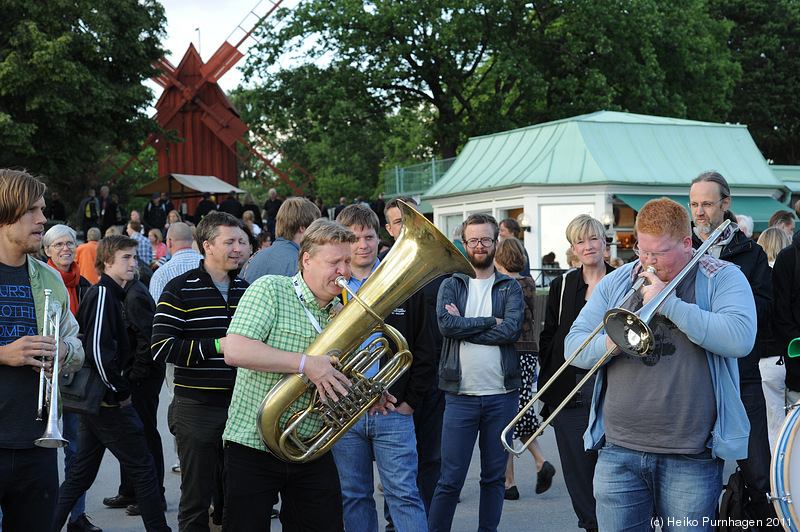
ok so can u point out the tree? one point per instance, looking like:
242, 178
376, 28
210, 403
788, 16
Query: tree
71, 86
764, 41
490, 65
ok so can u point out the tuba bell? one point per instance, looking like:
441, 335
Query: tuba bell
421, 254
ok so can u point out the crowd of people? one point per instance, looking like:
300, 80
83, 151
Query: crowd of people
221, 313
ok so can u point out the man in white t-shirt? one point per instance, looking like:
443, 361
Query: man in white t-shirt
480, 320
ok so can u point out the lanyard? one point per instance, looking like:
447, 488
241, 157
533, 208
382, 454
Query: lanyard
299, 291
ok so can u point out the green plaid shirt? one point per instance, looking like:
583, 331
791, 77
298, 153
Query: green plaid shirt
270, 312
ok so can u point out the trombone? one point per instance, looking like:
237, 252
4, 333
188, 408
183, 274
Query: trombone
628, 330
52, 437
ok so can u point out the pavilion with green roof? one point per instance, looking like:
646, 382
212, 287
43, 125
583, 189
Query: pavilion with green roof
601, 163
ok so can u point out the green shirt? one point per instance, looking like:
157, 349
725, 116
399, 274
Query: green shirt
271, 312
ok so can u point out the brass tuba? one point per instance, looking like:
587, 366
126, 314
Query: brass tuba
421, 254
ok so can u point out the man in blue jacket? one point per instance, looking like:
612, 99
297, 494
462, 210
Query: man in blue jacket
664, 423
480, 320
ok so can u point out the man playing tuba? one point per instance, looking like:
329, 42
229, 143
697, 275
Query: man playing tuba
276, 320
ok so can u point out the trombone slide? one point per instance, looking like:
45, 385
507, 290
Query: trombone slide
503, 436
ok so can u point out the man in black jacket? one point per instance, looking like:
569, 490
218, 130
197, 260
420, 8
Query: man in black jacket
709, 199
786, 323
145, 376
390, 439
192, 318
117, 426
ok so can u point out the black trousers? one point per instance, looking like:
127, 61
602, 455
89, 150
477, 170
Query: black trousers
28, 488
755, 467
577, 463
119, 430
310, 493
144, 397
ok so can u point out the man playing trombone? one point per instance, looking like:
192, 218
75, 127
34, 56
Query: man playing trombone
29, 474
665, 422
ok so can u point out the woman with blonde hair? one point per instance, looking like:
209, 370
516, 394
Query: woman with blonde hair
510, 260
249, 219
568, 295
159, 247
771, 366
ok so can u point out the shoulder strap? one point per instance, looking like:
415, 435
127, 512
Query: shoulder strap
561, 298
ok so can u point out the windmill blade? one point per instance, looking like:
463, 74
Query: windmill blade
229, 54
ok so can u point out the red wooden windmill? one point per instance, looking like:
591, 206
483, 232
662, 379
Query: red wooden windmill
194, 105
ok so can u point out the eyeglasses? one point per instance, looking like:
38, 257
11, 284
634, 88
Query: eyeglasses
58, 246
652, 254
705, 205
472, 243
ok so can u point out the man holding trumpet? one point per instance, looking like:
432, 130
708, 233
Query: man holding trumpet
665, 422
28, 474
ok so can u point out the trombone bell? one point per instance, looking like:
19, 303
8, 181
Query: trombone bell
628, 331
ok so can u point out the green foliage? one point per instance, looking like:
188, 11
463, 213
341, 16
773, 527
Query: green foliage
765, 41
483, 66
71, 87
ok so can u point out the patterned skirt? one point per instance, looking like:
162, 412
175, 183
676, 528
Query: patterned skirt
528, 363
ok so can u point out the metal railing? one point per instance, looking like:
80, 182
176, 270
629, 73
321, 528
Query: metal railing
415, 179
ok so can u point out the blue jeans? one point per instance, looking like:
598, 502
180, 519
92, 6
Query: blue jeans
390, 439
467, 418
119, 430
71, 434
636, 489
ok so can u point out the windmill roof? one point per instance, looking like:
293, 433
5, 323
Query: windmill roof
607, 147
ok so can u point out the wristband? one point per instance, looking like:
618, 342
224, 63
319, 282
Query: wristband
216, 344
302, 363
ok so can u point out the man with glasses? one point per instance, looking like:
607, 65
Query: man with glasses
480, 320
709, 200
665, 423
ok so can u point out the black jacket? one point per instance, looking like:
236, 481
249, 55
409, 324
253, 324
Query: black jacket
104, 340
752, 260
138, 310
411, 319
551, 339
786, 318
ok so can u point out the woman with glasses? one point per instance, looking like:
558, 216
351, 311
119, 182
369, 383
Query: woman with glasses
59, 244
568, 294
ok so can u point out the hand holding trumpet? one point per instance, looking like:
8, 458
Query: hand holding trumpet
37, 351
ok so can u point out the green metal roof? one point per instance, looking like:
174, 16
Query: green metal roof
789, 174
607, 148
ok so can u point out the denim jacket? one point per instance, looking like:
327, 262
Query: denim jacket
723, 322
43, 276
507, 304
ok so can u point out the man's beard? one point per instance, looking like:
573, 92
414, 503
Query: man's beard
481, 263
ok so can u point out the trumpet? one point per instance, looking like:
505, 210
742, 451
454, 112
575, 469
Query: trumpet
52, 437
628, 330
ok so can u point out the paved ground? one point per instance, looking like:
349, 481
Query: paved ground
550, 511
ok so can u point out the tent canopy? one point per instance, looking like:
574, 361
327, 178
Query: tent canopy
187, 186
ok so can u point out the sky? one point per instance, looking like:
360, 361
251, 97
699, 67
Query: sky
207, 24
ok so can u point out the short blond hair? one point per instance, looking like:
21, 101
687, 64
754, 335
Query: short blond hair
293, 214
582, 226
322, 231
